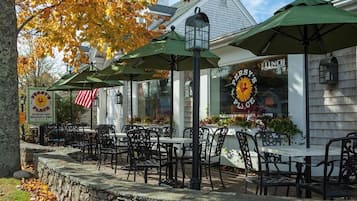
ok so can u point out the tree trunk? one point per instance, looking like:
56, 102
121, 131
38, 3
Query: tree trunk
9, 108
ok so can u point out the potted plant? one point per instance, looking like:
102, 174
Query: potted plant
283, 125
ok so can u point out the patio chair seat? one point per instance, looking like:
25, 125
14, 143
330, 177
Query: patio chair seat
144, 154
271, 180
149, 163
332, 190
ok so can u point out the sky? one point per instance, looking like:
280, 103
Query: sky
259, 9
263, 9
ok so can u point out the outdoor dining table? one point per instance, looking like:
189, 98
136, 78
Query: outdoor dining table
171, 141
301, 151
118, 135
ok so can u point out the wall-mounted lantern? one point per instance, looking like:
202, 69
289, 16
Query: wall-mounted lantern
328, 71
92, 67
119, 98
96, 101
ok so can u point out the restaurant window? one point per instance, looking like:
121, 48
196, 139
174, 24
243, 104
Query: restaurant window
153, 99
259, 87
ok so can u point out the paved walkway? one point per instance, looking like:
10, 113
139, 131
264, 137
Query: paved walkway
233, 180
87, 173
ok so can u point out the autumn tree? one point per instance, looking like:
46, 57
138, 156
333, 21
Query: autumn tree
9, 123
33, 66
107, 25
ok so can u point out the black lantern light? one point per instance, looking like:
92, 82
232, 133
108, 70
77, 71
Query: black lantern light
119, 98
197, 39
22, 102
96, 101
328, 71
92, 67
197, 31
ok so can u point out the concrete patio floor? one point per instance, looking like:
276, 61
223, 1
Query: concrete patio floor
233, 179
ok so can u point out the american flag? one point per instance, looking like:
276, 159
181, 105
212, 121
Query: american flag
85, 98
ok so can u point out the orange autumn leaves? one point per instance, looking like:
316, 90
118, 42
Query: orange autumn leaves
107, 25
38, 190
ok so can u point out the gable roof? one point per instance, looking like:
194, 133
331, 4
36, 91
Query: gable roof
163, 9
182, 7
225, 16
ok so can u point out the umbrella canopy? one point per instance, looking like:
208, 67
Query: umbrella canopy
169, 49
84, 80
302, 27
316, 24
120, 71
167, 52
58, 86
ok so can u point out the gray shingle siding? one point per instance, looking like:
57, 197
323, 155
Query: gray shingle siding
333, 112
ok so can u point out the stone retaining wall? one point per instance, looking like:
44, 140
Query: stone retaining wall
73, 181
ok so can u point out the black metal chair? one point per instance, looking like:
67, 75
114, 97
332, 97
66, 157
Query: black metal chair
254, 172
108, 144
56, 134
351, 134
272, 138
166, 131
343, 184
80, 140
186, 149
213, 155
145, 154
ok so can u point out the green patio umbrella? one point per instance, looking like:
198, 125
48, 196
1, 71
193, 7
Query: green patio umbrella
120, 71
302, 27
167, 52
58, 85
84, 80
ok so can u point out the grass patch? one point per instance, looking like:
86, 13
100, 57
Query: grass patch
9, 192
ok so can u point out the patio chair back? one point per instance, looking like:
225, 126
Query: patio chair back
105, 129
214, 146
272, 138
143, 153
109, 145
253, 171
128, 127
249, 144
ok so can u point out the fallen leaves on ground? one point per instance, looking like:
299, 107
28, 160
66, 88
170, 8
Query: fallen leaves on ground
38, 190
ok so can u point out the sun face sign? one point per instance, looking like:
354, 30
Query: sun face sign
244, 89
41, 100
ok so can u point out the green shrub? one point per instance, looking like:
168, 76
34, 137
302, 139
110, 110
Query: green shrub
63, 110
283, 125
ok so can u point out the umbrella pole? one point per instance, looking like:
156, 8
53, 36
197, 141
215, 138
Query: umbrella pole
131, 100
91, 109
70, 100
307, 111
172, 94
